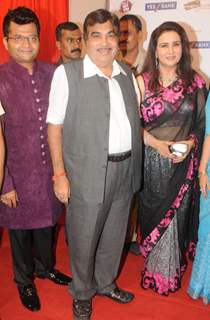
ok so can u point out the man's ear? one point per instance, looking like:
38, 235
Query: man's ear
5, 43
58, 45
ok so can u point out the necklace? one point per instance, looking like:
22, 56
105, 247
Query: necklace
167, 81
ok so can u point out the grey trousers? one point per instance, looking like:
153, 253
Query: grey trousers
96, 234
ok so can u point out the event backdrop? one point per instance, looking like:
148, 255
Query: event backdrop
193, 15
50, 13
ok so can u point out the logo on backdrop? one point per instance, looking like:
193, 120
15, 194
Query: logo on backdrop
125, 6
197, 4
200, 44
156, 6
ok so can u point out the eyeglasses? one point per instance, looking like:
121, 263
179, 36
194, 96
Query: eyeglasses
20, 39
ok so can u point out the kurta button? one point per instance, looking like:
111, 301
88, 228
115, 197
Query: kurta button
35, 90
39, 110
44, 162
40, 118
43, 153
40, 128
37, 100
42, 145
41, 137
32, 81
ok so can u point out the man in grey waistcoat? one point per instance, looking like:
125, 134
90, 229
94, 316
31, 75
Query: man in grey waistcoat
95, 144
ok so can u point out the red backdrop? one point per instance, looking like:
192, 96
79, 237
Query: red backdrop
50, 13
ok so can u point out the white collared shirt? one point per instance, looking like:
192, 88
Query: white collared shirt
119, 128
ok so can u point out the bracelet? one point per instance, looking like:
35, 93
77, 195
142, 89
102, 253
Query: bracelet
56, 176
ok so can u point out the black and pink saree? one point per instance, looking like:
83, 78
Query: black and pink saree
169, 200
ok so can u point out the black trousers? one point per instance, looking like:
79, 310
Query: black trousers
32, 252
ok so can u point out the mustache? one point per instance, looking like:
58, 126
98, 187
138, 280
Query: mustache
76, 50
123, 42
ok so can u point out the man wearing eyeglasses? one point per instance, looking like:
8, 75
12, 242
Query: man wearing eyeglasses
28, 206
68, 41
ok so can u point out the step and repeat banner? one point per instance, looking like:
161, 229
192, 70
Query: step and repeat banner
193, 15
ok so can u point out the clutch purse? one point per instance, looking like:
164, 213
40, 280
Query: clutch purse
178, 149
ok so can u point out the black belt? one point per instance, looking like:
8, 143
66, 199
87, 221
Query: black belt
119, 156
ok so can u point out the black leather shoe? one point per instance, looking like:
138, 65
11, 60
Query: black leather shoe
29, 297
119, 295
82, 309
56, 276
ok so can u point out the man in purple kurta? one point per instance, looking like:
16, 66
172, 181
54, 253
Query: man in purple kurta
28, 206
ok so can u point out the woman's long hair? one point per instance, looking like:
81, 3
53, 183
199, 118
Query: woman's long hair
184, 68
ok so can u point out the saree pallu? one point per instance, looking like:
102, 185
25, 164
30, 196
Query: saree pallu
169, 201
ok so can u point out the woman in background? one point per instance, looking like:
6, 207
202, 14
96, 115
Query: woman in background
200, 280
172, 111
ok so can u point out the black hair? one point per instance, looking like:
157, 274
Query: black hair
21, 16
71, 26
184, 67
100, 16
134, 19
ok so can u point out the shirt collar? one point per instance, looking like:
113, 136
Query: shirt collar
90, 69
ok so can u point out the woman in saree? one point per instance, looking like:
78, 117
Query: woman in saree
200, 279
172, 111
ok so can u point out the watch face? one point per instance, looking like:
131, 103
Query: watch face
178, 149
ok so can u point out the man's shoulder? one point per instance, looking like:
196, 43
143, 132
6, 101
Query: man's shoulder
4, 67
45, 67
75, 66
125, 68
74, 63
5, 75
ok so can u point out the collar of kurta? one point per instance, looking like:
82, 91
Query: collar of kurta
19, 69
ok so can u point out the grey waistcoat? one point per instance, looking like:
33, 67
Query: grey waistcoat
86, 131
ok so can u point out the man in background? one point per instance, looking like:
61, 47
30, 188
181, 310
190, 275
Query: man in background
28, 207
130, 42
133, 55
68, 41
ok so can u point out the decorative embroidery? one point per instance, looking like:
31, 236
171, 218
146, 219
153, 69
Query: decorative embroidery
160, 284
151, 240
152, 107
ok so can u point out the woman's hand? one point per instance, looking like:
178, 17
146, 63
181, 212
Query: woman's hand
162, 148
204, 183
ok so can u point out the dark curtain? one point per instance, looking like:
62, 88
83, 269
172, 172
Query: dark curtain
50, 13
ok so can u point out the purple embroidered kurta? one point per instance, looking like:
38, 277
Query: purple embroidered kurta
28, 165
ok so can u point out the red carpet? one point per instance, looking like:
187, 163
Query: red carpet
56, 302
